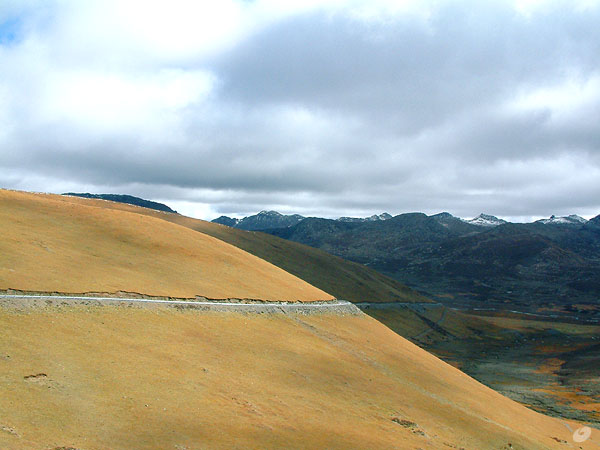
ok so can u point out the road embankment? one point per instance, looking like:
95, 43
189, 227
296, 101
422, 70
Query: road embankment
20, 302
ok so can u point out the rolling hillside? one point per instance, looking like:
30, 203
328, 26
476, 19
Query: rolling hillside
341, 278
49, 244
98, 377
120, 378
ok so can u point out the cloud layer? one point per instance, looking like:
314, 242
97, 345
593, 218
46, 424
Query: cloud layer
323, 108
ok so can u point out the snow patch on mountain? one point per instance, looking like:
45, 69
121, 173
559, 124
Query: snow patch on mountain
373, 218
485, 220
573, 219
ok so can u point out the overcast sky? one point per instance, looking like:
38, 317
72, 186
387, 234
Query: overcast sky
323, 108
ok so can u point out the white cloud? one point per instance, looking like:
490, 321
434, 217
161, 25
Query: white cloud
531, 7
118, 102
321, 107
191, 209
562, 100
151, 31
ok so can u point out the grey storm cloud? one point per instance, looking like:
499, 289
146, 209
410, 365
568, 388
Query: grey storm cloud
420, 72
331, 109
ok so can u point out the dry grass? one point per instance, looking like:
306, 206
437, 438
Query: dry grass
127, 378
49, 244
109, 378
537, 325
343, 279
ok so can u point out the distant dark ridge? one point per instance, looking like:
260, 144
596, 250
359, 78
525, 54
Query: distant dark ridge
224, 220
264, 220
272, 220
129, 199
551, 264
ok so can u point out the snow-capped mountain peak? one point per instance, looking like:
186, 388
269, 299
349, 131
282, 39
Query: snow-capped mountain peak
486, 220
373, 218
573, 219
264, 212
382, 216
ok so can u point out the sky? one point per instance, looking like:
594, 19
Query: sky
323, 108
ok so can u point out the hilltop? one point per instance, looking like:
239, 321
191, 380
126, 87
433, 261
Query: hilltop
54, 243
129, 199
341, 278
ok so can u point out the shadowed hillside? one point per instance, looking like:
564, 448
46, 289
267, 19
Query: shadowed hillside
552, 263
343, 279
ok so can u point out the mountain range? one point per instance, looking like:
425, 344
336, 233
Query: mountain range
266, 220
550, 265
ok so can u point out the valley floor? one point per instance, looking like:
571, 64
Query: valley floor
550, 366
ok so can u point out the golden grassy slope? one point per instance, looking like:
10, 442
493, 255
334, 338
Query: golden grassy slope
49, 244
165, 379
341, 278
